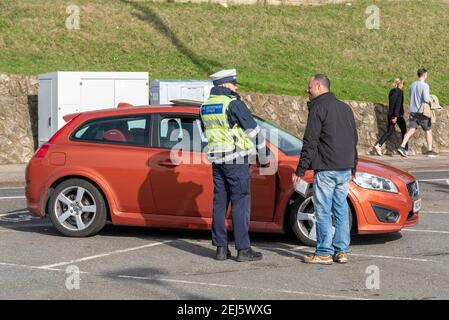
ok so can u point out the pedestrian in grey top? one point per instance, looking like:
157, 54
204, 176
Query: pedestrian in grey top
419, 94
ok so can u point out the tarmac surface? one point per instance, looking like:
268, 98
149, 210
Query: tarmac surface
36, 262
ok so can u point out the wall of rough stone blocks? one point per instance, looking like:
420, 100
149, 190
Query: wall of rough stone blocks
291, 113
18, 119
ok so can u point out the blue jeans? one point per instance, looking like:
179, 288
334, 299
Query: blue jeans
330, 189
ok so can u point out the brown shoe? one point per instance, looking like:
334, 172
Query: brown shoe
315, 259
341, 257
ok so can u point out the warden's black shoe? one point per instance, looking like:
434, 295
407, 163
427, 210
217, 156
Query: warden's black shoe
223, 253
249, 255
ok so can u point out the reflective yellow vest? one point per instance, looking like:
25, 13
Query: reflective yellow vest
221, 138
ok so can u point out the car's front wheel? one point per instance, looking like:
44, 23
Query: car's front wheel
77, 208
303, 220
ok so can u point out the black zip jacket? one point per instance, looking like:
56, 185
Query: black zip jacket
396, 103
330, 139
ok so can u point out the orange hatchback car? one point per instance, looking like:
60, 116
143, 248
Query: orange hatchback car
118, 165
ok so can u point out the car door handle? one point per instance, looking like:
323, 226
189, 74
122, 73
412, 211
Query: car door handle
167, 163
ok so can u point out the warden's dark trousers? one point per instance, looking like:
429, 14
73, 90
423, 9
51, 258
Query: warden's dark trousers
231, 184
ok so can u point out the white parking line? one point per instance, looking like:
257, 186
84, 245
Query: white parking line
197, 283
305, 248
392, 257
13, 212
17, 217
435, 212
17, 228
434, 180
355, 254
259, 289
7, 264
12, 188
17, 197
24, 226
103, 255
429, 231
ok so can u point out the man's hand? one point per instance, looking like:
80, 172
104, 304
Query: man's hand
394, 120
295, 179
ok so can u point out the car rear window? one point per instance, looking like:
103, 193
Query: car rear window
125, 130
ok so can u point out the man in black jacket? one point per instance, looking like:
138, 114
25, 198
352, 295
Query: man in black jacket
330, 149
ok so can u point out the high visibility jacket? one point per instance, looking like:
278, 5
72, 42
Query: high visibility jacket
224, 143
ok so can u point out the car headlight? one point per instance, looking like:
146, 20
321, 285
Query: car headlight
372, 182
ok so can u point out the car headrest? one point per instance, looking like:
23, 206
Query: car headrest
114, 135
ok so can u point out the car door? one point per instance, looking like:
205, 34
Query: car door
116, 149
263, 190
181, 179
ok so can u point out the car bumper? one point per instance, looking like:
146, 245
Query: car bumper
368, 203
383, 228
35, 177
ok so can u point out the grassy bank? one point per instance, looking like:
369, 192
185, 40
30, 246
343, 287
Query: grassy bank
274, 48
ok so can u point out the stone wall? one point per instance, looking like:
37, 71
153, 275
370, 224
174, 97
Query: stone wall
291, 113
18, 119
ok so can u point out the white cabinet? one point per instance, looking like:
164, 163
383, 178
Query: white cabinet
163, 91
62, 93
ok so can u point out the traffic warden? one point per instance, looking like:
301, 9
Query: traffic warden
234, 140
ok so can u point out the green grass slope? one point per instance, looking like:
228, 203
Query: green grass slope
274, 48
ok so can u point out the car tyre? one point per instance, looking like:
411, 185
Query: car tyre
77, 208
302, 219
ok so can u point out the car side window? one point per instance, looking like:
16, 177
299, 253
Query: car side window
125, 131
182, 133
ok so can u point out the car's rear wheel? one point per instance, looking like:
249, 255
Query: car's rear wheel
303, 221
77, 208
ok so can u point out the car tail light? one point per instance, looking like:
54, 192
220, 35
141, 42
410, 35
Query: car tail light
43, 149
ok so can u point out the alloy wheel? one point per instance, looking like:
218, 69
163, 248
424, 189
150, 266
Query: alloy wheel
75, 208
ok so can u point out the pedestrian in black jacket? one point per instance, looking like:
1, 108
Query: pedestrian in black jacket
395, 114
330, 149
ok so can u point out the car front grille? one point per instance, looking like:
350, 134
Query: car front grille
413, 189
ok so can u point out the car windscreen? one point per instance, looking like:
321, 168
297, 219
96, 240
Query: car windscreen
289, 144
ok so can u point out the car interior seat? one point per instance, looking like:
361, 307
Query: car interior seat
117, 131
172, 134
114, 135
138, 135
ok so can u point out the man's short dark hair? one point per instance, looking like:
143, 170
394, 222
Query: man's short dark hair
323, 80
421, 72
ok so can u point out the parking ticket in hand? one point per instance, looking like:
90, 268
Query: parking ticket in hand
302, 187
